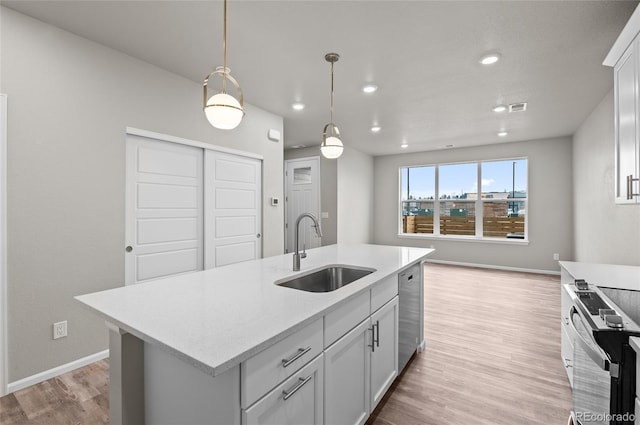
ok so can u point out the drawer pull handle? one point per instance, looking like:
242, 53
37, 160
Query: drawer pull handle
301, 381
301, 352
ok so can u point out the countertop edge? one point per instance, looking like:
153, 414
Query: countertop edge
237, 359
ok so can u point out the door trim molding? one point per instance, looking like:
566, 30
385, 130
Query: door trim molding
174, 139
4, 361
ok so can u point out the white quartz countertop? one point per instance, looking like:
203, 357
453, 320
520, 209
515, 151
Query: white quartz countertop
605, 275
217, 318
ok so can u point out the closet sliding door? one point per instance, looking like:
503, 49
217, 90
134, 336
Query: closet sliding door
233, 209
164, 209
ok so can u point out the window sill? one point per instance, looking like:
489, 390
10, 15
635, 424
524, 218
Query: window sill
464, 238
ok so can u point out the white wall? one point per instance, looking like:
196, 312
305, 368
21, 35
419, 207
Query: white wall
70, 101
355, 197
604, 231
550, 211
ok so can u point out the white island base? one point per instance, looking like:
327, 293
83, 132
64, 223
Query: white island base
209, 348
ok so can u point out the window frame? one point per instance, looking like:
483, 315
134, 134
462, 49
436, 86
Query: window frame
478, 203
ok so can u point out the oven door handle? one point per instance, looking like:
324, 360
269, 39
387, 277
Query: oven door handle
598, 356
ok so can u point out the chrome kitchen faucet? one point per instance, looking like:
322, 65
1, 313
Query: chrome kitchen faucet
296, 255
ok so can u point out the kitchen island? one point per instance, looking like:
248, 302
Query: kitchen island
197, 347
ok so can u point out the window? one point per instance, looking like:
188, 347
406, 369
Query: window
485, 199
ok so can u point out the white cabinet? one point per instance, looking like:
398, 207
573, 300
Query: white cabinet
384, 356
270, 367
625, 58
346, 379
627, 140
297, 401
361, 366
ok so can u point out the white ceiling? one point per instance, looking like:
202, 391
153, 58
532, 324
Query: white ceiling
423, 55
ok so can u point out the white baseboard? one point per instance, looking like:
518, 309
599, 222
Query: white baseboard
488, 266
51, 373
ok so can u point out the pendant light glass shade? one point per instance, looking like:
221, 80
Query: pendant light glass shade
222, 110
331, 147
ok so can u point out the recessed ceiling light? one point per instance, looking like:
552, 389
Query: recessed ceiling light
376, 128
298, 106
490, 59
404, 145
499, 108
502, 134
298, 146
369, 88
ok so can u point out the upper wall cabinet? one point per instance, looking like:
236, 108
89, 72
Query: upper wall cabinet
625, 59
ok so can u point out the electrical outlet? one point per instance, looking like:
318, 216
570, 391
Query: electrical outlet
60, 329
556, 256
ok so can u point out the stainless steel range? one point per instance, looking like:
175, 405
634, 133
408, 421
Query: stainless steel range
603, 363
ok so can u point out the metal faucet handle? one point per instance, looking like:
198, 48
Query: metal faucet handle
303, 254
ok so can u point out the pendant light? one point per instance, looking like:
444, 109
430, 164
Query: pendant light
331, 146
222, 109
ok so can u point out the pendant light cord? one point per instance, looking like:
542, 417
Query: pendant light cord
224, 49
332, 98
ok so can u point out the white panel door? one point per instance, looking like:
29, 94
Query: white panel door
303, 195
233, 209
164, 209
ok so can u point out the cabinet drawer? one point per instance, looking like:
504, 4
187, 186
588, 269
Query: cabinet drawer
270, 367
304, 392
384, 291
346, 317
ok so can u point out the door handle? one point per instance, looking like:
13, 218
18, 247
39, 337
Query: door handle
258, 235
129, 248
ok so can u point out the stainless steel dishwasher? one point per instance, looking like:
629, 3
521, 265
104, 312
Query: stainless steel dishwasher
409, 292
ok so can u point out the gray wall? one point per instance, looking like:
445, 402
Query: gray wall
550, 211
328, 190
355, 197
604, 232
69, 102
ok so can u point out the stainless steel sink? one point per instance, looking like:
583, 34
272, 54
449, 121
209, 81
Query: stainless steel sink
327, 279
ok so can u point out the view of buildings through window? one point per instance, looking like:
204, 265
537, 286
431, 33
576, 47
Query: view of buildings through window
486, 199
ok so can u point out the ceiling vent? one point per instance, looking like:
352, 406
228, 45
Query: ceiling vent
518, 107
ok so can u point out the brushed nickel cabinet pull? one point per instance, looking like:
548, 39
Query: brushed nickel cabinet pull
301, 381
301, 352
377, 325
630, 181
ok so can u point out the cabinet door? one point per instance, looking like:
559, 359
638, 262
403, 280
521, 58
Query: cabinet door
297, 401
626, 123
346, 377
384, 356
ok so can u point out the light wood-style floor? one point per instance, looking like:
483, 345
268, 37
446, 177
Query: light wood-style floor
492, 358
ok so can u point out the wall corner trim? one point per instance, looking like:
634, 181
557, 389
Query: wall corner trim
56, 371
